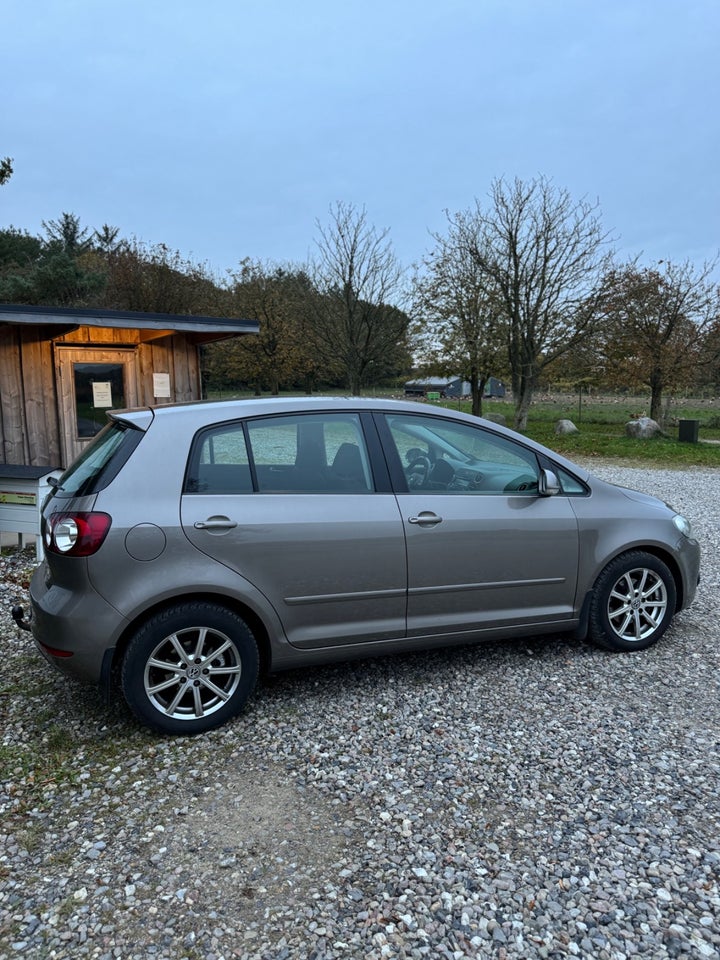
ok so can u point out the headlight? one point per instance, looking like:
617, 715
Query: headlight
683, 525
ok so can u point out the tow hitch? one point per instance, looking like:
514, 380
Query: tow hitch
18, 615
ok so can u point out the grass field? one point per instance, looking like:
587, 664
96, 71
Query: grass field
601, 424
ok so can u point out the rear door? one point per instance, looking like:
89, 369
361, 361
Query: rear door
485, 551
295, 505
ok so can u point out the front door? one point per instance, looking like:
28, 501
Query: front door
91, 381
485, 551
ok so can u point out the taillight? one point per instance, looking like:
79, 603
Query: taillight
76, 534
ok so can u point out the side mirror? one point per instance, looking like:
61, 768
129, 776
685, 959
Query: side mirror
548, 484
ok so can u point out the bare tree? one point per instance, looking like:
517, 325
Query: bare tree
542, 256
356, 320
658, 326
464, 329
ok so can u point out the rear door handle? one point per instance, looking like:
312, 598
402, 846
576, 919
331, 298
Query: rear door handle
426, 518
215, 523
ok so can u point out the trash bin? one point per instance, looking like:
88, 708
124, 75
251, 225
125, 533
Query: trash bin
688, 430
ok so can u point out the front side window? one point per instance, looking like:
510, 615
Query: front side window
570, 484
444, 456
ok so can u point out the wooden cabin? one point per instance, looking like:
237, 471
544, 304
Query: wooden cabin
62, 369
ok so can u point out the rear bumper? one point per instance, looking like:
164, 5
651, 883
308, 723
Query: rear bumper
73, 631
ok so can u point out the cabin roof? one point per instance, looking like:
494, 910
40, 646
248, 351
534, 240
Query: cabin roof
71, 316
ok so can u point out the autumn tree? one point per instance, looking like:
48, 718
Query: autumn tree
581, 368
357, 320
153, 278
658, 326
710, 375
463, 327
540, 255
279, 298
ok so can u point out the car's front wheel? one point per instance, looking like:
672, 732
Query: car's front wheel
189, 668
633, 602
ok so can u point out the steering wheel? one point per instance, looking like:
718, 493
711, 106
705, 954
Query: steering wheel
521, 484
418, 471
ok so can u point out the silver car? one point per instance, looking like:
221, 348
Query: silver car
192, 545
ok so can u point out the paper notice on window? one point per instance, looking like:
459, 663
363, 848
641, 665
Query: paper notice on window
161, 384
102, 393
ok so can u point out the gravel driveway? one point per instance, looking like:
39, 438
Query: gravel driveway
521, 799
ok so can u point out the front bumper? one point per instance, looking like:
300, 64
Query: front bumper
688, 557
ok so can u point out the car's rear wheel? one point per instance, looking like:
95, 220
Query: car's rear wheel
189, 668
633, 602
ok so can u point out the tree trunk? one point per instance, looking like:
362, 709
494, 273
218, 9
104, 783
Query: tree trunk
523, 399
656, 392
477, 387
355, 388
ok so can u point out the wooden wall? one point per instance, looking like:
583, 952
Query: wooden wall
30, 420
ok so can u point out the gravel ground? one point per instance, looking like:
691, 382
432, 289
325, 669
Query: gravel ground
530, 799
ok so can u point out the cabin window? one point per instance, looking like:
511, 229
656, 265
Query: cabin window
99, 387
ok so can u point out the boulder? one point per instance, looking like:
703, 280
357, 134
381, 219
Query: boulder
563, 427
643, 428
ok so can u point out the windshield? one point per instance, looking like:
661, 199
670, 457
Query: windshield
101, 460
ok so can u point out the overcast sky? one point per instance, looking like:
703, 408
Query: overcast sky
227, 128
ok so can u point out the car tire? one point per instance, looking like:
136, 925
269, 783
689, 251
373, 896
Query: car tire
633, 602
189, 668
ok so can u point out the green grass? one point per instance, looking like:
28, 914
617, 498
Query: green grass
601, 423
601, 427
601, 441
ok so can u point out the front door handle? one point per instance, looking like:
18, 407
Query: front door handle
215, 523
426, 518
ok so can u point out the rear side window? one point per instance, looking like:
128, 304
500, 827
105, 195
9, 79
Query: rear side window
101, 461
219, 462
311, 453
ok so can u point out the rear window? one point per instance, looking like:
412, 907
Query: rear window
101, 460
